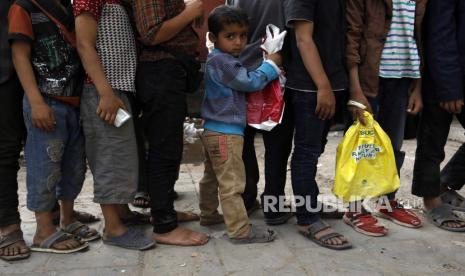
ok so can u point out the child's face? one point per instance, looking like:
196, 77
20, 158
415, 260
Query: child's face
232, 39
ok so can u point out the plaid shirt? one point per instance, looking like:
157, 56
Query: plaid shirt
149, 16
6, 65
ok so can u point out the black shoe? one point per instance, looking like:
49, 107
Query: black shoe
279, 220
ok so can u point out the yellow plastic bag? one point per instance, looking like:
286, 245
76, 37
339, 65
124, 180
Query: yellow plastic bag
365, 164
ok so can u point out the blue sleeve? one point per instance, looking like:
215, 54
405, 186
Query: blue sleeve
442, 56
234, 75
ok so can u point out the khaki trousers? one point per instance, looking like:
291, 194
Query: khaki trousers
224, 175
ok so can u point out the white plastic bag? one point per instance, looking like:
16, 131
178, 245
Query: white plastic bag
190, 133
210, 45
274, 40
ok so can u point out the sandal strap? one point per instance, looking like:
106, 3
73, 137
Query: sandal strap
363, 219
85, 217
454, 198
11, 238
317, 227
71, 228
142, 195
444, 213
56, 237
259, 232
330, 236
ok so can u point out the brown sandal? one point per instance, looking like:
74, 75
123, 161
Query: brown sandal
10, 239
319, 226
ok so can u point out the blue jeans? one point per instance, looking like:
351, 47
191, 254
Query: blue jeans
390, 110
55, 161
309, 143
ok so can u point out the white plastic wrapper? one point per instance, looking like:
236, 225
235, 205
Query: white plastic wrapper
210, 45
190, 133
274, 40
122, 116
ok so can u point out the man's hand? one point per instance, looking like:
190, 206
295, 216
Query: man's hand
276, 58
194, 10
326, 104
108, 107
43, 117
453, 107
356, 112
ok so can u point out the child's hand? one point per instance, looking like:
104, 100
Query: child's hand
194, 9
415, 103
326, 104
276, 58
43, 117
108, 107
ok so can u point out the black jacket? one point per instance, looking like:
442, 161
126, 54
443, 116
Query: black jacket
444, 78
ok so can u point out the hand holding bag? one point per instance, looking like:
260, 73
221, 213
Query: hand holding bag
365, 163
265, 108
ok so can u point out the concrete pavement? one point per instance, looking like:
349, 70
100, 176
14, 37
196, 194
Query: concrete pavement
426, 251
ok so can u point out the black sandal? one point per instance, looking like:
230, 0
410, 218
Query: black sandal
256, 235
141, 196
84, 232
10, 239
454, 199
442, 214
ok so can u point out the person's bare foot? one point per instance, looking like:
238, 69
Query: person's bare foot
433, 202
43, 234
181, 236
15, 249
333, 241
186, 216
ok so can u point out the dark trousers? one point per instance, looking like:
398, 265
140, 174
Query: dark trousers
431, 140
141, 143
309, 143
161, 88
389, 108
278, 146
12, 133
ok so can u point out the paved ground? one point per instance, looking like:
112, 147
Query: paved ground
426, 251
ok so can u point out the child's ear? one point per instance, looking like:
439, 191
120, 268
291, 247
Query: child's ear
211, 37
